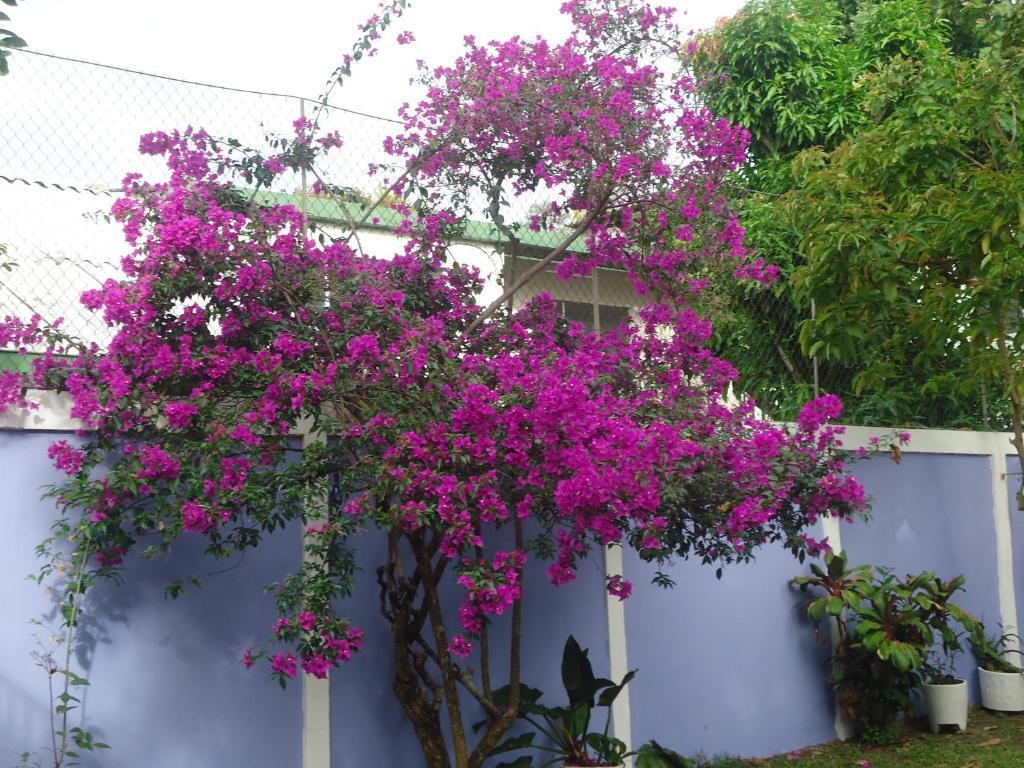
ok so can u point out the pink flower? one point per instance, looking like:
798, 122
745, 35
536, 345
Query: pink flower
180, 414
65, 457
154, 143
316, 665
244, 434
247, 658
816, 412
330, 141
364, 348
460, 646
157, 464
110, 557
194, 517
283, 664
619, 587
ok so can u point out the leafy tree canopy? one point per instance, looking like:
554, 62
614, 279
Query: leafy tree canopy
8, 40
913, 228
801, 76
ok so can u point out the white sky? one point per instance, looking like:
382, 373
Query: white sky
288, 47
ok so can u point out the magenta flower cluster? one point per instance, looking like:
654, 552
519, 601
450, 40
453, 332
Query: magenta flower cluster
443, 421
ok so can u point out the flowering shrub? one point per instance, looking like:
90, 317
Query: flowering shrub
431, 418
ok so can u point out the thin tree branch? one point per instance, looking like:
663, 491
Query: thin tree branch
388, 191
344, 211
484, 700
448, 675
530, 273
497, 728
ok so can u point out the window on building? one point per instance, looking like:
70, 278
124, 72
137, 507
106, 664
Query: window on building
611, 317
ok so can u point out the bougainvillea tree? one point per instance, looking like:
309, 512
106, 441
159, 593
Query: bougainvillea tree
477, 439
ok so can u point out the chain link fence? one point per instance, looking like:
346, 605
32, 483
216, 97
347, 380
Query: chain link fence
70, 133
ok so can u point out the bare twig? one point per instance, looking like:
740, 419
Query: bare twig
530, 273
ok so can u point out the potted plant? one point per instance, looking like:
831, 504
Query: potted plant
565, 731
1001, 681
944, 693
886, 628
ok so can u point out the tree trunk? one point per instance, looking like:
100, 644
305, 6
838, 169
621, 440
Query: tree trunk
408, 602
418, 695
425, 718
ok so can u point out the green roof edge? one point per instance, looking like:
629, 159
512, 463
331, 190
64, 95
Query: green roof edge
329, 211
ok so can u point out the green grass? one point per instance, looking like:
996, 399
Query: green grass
992, 740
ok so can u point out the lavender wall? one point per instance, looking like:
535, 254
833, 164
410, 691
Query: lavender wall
727, 666
933, 512
167, 686
731, 666
163, 669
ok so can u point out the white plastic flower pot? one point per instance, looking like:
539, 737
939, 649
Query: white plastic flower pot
947, 705
1002, 691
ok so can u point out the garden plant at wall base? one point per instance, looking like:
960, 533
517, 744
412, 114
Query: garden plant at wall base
563, 733
886, 629
1001, 681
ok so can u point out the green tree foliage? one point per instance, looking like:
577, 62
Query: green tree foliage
8, 40
796, 73
914, 228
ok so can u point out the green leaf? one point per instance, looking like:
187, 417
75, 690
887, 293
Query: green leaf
577, 720
527, 695
577, 673
608, 695
520, 762
523, 741
653, 755
816, 611
835, 605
